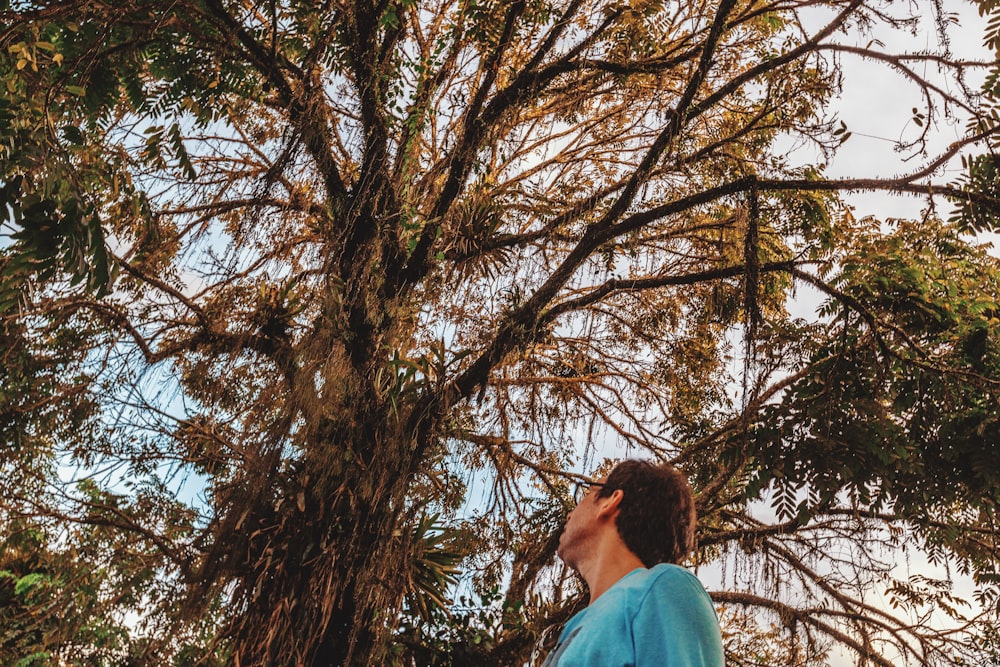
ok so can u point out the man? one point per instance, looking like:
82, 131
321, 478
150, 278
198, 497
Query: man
625, 538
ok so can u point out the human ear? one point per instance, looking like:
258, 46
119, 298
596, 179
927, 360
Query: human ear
608, 505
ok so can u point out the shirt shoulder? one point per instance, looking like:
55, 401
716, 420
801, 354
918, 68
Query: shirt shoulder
650, 618
675, 622
667, 576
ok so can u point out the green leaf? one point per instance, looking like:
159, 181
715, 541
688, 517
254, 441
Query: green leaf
72, 134
28, 582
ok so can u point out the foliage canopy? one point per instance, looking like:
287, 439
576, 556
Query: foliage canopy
286, 285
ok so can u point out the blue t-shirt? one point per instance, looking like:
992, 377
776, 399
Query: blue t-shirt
660, 617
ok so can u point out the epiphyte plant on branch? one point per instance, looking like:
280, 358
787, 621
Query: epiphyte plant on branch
282, 280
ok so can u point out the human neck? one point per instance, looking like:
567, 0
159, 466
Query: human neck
606, 567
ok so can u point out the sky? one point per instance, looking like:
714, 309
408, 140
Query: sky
877, 102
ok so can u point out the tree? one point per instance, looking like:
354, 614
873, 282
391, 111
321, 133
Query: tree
284, 278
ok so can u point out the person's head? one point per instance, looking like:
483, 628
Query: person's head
656, 514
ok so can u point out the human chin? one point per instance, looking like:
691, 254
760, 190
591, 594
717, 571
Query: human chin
567, 540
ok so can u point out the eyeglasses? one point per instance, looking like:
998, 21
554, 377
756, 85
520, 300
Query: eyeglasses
580, 490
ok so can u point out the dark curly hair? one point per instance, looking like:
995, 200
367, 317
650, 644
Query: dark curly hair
656, 518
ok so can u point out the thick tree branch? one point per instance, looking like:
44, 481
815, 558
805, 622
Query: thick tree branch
522, 324
806, 616
622, 285
477, 124
304, 98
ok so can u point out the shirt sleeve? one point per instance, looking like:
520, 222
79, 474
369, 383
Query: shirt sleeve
676, 625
